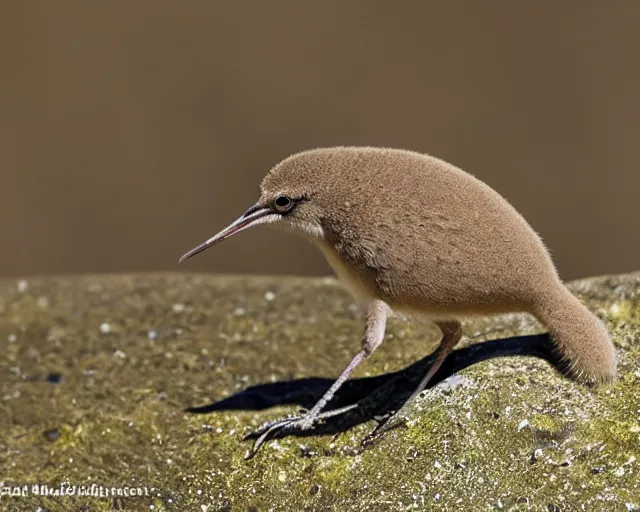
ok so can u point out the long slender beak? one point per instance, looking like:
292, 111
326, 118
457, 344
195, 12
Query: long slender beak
254, 215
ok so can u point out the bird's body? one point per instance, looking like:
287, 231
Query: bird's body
408, 232
419, 233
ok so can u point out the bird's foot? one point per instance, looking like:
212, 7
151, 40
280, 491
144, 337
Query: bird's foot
385, 424
289, 425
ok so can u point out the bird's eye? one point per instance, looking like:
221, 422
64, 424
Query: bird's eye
283, 204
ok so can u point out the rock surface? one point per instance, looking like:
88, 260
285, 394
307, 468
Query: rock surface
97, 372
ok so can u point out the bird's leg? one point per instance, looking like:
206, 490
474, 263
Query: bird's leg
377, 313
451, 334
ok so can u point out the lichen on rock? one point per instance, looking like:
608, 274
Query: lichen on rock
98, 372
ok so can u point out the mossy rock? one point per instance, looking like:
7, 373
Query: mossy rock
98, 370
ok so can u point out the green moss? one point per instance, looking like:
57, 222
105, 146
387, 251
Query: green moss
513, 435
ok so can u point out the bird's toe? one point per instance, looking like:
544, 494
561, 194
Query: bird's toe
269, 426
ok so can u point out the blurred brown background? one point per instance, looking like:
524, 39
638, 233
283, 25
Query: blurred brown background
131, 130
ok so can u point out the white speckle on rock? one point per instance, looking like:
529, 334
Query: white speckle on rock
269, 296
523, 424
619, 471
43, 302
169, 461
119, 354
23, 286
619, 290
451, 383
219, 430
12, 338
239, 311
152, 335
105, 328
437, 465
178, 307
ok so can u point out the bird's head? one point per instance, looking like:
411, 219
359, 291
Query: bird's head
294, 196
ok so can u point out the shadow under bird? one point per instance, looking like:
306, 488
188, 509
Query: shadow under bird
411, 233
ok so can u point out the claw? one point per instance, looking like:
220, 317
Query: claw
290, 424
259, 442
376, 434
268, 425
265, 431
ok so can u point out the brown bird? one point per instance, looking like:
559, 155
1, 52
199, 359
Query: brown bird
409, 232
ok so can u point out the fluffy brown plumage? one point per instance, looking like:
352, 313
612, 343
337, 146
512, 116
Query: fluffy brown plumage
426, 237
409, 232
